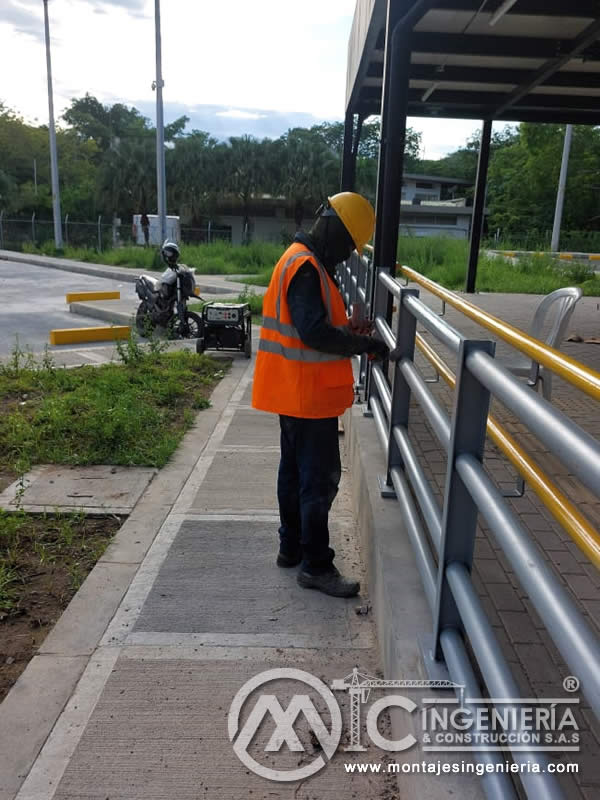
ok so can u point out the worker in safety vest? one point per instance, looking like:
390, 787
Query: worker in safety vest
303, 373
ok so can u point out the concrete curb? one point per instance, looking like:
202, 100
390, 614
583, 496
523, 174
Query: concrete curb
31, 708
399, 602
127, 275
567, 256
103, 313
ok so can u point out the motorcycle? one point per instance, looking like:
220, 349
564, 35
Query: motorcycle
164, 300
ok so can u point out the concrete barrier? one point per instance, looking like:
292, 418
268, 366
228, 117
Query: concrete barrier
78, 335
73, 297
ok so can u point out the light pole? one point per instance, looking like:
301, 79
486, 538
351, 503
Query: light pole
562, 182
161, 190
58, 241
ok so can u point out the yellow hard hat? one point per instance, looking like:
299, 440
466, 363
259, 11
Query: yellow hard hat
357, 214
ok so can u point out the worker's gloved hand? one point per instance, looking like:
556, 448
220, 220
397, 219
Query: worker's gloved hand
378, 349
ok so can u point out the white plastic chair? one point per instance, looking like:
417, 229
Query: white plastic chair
535, 373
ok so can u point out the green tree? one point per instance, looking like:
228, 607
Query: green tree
523, 179
308, 170
193, 175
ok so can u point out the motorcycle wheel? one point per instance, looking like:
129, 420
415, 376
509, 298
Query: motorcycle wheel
143, 320
194, 324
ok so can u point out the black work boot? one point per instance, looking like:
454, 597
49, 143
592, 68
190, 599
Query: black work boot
330, 582
286, 561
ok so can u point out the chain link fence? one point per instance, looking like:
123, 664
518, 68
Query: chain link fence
19, 234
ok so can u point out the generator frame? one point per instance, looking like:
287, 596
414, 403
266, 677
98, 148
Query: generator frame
226, 326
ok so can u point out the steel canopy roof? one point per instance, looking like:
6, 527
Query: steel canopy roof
540, 62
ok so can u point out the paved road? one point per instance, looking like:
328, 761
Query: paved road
33, 303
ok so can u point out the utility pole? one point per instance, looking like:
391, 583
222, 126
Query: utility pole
560, 197
58, 241
161, 188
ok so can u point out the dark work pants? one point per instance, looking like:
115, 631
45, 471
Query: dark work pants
309, 475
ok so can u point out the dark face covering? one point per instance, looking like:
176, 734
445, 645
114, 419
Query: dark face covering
332, 241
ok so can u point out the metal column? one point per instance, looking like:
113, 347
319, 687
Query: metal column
479, 204
58, 241
393, 136
562, 183
348, 163
161, 181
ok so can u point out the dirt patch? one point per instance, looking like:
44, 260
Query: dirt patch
43, 561
6, 478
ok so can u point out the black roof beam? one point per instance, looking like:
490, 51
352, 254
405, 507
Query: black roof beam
506, 46
588, 9
578, 45
493, 100
461, 74
371, 108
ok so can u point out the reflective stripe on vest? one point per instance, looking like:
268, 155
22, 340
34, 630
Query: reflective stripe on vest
272, 324
297, 353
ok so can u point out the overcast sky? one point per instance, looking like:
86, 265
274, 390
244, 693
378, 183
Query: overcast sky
233, 66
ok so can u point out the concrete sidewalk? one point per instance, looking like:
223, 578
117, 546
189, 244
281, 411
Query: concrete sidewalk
205, 610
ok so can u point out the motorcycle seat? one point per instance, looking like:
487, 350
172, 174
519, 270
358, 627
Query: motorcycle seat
153, 283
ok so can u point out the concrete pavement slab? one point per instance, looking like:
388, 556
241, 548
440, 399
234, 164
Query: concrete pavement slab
252, 428
235, 484
221, 577
97, 489
159, 730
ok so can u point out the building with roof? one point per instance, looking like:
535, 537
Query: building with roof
508, 60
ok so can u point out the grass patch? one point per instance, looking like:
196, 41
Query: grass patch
255, 301
216, 258
129, 413
444, 260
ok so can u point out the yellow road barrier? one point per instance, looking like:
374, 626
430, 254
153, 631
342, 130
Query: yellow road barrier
75, 297
585, 536
100, 334
566, 256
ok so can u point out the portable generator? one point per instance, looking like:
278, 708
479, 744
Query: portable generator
226, 326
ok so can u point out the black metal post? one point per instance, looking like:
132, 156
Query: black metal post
479, 204
393, 136
348, 159
459, 522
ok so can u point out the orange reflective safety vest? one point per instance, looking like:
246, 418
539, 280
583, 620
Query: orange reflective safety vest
291, 378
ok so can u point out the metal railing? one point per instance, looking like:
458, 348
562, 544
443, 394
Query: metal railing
443, 537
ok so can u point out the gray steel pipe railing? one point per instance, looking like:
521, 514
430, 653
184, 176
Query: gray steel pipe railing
470, 491
573, 446
498, 786
437, 416
427, 502
383, 390
497, 674
444, 332
572, 635
385, 332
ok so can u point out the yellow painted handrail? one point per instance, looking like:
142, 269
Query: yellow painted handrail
585, 536
584, 378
